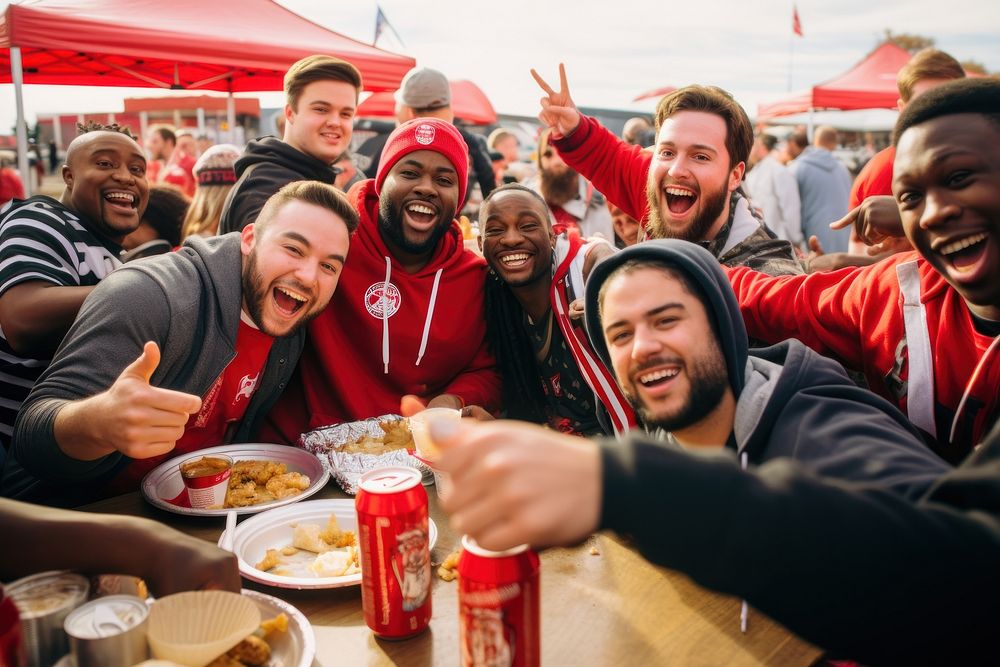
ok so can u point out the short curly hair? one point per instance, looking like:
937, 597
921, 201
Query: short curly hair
94, 126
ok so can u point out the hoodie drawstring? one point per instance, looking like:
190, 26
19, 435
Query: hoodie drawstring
430, 316
385, 317
744, 611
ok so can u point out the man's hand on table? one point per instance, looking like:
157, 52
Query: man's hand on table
132, 416
515, 483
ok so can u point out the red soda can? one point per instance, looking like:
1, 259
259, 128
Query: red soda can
395, 552
498, 606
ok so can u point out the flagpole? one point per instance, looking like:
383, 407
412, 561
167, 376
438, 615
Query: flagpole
791, 49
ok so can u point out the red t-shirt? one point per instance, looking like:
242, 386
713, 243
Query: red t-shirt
875, 177
222, 406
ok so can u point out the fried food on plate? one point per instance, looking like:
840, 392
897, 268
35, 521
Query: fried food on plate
254, 482
395, 435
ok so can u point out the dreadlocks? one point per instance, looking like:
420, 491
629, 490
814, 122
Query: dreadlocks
94, 126
522, 386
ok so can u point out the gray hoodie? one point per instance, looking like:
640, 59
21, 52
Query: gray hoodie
824, 190
189, 303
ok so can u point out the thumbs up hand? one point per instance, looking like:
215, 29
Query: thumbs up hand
132, 416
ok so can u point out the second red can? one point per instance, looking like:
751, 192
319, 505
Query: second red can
395, 552
498, 606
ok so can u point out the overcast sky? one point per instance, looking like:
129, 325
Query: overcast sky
618, 49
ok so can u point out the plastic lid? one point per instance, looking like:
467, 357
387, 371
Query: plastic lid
390, 480
470, 545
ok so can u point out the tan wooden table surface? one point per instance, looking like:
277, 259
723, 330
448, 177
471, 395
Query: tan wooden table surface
606, 609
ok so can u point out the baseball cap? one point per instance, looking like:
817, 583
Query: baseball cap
424, 88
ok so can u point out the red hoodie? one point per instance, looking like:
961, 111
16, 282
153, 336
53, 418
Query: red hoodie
355, 365
858, 316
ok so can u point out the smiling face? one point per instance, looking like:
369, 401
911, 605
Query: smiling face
418, 201
322, 124
516, 237
690, 178
947, 184
291, 270
663, 350
105, 177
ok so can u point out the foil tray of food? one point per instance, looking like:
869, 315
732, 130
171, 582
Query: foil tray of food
354, 448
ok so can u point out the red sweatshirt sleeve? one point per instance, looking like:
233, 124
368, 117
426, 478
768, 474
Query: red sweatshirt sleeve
479, 384
618, 170
823, 310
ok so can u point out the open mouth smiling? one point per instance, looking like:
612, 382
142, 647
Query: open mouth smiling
658, 377
288, 301
964, 253
421, 212
121, 198
679, 200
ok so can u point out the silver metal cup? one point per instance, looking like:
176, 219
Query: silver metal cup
44, 601
109, 632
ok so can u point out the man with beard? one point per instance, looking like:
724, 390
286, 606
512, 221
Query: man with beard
180, 351
550, 373
689, 186
573, 200
53, 253
773, 459
408, 317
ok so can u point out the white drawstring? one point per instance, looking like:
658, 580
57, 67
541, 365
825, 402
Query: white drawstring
744, 611
430, 316
385, 317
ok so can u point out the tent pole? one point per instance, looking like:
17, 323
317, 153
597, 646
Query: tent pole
809, 125
22, 130
231, 113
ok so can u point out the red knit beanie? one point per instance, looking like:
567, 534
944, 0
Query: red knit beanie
426, 134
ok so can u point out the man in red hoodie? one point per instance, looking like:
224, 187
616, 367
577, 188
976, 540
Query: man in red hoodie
408, 316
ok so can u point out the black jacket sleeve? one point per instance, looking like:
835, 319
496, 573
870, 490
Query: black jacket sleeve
482, 166
853, 568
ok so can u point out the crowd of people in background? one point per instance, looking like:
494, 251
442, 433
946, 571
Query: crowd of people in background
725, 328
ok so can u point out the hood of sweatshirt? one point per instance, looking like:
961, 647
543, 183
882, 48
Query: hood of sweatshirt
274, 151
818, 157
715, 292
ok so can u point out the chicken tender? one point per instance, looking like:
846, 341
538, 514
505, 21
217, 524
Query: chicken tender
251, 651
287, 484
271, 559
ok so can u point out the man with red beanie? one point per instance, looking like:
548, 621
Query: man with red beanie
408, 315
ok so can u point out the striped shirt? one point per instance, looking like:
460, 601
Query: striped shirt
42, 240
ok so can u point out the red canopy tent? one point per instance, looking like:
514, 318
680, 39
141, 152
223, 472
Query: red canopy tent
871, 84
226, 45
468, 102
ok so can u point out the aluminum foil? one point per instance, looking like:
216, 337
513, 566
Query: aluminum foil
346, 468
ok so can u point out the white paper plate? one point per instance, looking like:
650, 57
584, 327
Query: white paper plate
164, 482
273, 530
295, 648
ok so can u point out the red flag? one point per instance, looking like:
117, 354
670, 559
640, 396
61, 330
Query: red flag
796, 23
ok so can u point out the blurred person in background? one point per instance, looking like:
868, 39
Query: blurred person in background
773, 190
166, 163
639, 132
574, 201
159, 231
824, 189
626, 227
216, 177
187, 145
11, 186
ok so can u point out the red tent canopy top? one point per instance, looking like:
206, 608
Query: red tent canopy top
227, 45
468, 102
871, 84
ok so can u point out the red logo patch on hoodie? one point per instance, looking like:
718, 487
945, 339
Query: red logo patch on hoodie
379, 300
